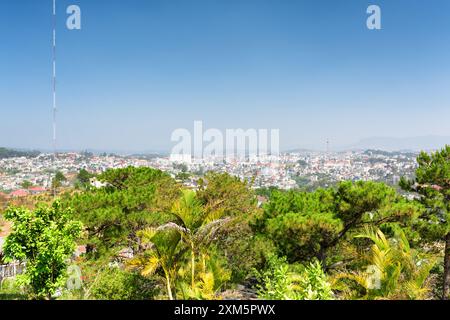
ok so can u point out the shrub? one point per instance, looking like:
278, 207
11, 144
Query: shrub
117, 284
282, 281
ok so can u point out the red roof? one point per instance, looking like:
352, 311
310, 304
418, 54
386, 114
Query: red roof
19, 193
36, 189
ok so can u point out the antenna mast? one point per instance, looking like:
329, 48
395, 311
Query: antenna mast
54, 92
54, 77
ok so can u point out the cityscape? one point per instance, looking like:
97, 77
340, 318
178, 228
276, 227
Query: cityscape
292, 170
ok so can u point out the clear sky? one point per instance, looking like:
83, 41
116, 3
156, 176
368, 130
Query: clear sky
139, 69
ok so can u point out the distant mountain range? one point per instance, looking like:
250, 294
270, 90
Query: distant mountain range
10, 153
390, 144
425, 143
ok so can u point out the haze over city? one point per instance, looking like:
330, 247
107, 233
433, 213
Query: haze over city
137, 70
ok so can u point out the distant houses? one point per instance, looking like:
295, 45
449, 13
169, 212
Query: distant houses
21, 193
36, 190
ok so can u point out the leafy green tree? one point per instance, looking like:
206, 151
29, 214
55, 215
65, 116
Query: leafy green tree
58, 180
84, 178
362, 203
26, 184
320, 221
224, 195
299, 223
133, 198
432, 184
266, 191
181, 166
45, 239
59, 176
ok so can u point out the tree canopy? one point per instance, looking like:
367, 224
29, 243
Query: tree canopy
45, 239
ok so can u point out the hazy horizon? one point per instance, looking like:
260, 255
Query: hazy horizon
138, 70
389, 144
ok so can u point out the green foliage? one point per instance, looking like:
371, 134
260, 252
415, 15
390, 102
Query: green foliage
132, 199
225, 195
59, 176
183, 176
181, 166
432, 184
306, 217
26, 184
84, 178
281, 281
45, 239
313, 283
190, 244
213, 275
320, 221
10, 153
242, 249
58, 180
310, 231
394, 270
116, 284
194, 228
11, 290
161, 257
267, 191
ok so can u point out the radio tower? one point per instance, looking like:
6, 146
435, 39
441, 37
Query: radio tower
54, 92
54, 76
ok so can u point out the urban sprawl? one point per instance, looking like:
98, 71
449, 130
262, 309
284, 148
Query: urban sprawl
303, 169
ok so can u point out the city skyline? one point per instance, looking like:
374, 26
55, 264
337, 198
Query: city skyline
137, 71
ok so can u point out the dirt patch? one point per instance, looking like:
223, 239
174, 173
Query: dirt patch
5, 228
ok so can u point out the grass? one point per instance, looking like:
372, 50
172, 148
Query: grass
10, 291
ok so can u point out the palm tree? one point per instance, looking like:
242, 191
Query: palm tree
210, 279
161, 254
195, 225
394, 269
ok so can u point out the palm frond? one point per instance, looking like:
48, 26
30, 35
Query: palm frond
151, 266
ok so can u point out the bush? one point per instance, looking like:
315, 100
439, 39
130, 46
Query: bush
282, 281
11, 290
117, 284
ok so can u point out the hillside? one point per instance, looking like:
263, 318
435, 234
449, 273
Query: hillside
11, 153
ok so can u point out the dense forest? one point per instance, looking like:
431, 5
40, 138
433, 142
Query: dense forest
143, 235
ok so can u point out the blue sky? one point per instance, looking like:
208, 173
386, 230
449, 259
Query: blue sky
140, 69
